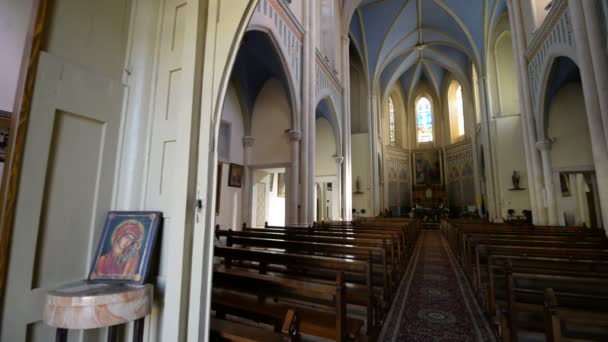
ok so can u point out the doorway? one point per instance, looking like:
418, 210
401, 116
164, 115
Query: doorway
269, 197
578, 199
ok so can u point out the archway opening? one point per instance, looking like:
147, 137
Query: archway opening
327, 165
571, 155
252, 141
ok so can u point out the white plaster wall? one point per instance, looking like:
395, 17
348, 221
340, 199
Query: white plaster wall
14, 22
231, 197
358, 99
361, 168
271, 118
325, 149
568, 125
506, 75
510, 156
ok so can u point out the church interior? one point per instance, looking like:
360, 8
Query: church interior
292, 170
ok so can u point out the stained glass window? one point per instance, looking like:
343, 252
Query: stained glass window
424, 120
391, 121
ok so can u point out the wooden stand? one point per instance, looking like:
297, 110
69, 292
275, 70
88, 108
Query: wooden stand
90, 306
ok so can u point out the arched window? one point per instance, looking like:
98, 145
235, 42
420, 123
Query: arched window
424, 120
391, 121
456, 110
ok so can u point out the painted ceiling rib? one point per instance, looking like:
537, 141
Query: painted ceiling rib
446, 34
415, 79
431, 75
462, 25
387, 34
420, 22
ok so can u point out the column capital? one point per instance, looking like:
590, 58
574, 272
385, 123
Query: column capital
339, 160
545, 145
294, 135
248, 141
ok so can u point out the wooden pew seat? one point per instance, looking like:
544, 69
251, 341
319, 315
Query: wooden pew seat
321, 308
311, 321
223, 330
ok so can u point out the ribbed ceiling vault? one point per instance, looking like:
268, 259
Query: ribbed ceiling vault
408, 41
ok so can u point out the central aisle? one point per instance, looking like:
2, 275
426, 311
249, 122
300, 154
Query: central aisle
434, 301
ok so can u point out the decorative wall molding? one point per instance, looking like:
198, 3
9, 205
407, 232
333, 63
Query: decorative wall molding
328, 85
459, 152
555, 35
396, 153
460, 178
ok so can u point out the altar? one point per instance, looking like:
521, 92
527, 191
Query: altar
431, 196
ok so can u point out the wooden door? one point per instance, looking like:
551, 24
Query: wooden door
69, 161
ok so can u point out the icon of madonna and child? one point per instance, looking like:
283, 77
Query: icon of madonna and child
124, 250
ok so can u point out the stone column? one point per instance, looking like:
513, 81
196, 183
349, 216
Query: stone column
307, 64
310, 114
591, 12
247, 179
294, 180
545, 153
375, 171
592, 104
347, 174
488, 155
339, 166
533, 164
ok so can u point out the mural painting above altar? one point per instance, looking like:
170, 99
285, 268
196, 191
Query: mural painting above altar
428, 167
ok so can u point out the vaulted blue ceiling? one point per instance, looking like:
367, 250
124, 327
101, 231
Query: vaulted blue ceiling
257, 61
407, 41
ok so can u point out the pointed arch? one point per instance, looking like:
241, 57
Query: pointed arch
456, 111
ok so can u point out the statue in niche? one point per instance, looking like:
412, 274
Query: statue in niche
358, 186
515, 179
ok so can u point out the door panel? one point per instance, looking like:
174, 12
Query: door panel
65, 190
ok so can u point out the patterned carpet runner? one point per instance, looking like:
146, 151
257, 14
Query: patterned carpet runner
434, 301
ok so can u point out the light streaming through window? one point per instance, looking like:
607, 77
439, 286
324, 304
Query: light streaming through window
459, 111
424, 120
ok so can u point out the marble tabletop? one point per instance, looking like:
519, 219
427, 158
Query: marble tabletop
86, 306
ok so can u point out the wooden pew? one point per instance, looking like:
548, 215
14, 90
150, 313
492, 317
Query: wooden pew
582, 301
573, 261
223, 330
393, 239
380, 246
547, 265
409, 231
321, 308
486, 257
358, 274
469, 257
381, 273
454, 232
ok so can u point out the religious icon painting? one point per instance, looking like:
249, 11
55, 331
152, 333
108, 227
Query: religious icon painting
235, 175
125, 247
